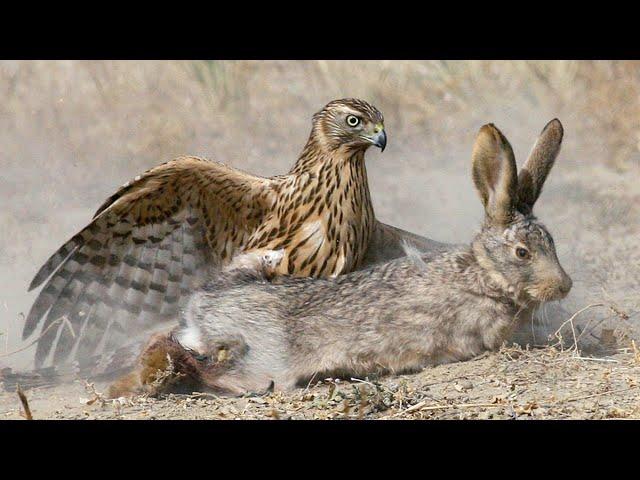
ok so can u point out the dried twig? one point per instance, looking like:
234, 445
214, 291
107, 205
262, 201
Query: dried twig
557, 333
609, 392
166, 376
25, 403
614, 309
353, 379
422, 406
636, 351
413, 408
210, 395
310, 382
461, 405
62, 319
590, 359
96, 396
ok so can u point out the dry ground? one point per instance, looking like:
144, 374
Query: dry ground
510, 384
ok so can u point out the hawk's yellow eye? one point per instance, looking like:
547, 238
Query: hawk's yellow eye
353, 121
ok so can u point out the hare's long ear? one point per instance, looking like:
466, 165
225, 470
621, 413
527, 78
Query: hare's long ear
535, 170
495, 174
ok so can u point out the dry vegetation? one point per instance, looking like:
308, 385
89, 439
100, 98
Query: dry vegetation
513, 383
73, 131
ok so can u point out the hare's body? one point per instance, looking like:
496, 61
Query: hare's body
399, 316
242, 333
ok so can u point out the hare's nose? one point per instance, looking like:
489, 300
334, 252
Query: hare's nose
565, 284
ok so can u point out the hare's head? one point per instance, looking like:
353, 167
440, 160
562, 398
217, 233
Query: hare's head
513, 246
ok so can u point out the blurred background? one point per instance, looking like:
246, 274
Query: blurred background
71, 132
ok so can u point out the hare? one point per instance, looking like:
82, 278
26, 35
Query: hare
245, 334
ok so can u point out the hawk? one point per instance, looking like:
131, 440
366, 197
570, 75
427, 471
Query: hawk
159, 236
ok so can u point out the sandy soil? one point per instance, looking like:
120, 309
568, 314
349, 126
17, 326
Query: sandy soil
510, 384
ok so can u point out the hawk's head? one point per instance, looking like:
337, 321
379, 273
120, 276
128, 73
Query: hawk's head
351, 123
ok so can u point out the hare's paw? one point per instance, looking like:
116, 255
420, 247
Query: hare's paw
242, 384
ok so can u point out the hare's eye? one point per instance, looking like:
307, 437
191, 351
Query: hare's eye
522, 252
352, 120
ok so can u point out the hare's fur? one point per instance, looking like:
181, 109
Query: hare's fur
244, 333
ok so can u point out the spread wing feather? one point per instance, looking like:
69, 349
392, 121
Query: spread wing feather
388, 242
146, 248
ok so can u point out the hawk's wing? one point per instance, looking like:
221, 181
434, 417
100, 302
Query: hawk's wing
388, 242
145, 249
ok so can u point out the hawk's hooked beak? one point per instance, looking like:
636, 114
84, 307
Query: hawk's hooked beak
379, 139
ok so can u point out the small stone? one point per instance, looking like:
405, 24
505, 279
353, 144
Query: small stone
463, 386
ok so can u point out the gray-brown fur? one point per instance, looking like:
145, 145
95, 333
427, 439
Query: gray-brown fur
419, 310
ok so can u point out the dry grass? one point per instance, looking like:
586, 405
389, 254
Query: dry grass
513, 383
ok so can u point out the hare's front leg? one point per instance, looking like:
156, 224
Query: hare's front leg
229, 369
238, 384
